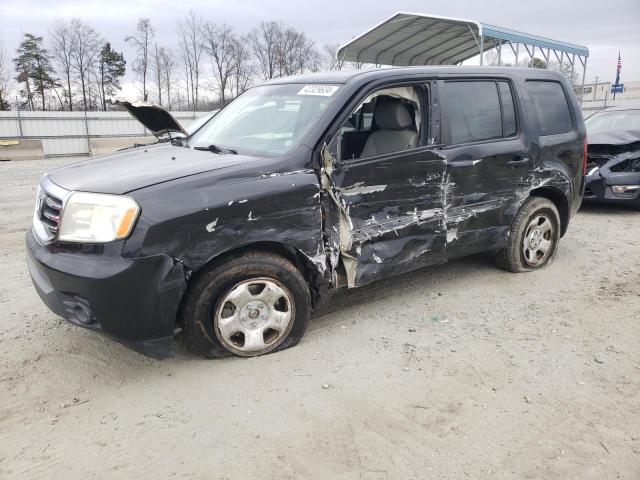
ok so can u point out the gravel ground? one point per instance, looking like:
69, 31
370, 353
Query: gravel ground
459, 371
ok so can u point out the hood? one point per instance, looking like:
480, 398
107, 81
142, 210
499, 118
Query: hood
614, 137
155, 118
141, 167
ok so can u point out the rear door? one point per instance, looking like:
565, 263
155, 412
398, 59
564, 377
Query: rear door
487, 159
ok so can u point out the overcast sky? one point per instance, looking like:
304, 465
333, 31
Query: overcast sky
604, 26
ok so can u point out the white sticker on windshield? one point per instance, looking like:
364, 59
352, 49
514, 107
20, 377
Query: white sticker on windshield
318, 90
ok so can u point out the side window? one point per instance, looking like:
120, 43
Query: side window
509, 127
551, 106
473, 110
386, 121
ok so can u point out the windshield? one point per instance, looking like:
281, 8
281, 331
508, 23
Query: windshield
199, 121
267, 120
617, 120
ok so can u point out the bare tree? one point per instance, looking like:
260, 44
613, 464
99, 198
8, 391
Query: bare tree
156, 66
186, 62
96, 95
243, 69
168, 71
163, 67
142, 41
282, 51
85, 52
61, 48
191, 40
309, 57
264, 42
219, 42
5, 79
331, 60
292, 48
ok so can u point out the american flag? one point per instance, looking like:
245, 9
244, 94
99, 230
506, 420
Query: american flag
618, 70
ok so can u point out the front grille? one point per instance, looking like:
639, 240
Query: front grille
50, 201
50, 210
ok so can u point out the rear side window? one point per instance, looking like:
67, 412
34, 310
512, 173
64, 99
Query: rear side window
508, 110
480, 110
552, 108
473, 109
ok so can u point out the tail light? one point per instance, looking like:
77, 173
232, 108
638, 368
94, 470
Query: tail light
584, 158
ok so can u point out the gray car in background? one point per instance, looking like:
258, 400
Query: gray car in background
613, 162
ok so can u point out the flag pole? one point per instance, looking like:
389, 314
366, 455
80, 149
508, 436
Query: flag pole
618, 68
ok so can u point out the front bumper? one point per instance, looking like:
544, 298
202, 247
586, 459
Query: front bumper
132, 300
599, 189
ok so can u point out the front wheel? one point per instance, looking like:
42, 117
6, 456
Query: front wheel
248, 305
533, 238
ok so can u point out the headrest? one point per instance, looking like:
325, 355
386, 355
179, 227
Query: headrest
390, 114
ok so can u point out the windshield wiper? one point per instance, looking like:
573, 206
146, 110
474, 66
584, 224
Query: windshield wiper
216, 149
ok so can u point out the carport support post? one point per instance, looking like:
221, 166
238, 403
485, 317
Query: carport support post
481, 49
499, 53
517, 52
584, 74
573, 66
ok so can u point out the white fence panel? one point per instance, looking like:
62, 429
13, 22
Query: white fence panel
46, 126
65, 146
114, 124
9, 127
68, 133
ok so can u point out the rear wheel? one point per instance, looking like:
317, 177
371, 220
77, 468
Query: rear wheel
533, 238
249, 305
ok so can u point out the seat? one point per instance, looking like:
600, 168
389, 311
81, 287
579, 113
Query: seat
396, 131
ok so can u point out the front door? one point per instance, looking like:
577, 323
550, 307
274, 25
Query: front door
388, 187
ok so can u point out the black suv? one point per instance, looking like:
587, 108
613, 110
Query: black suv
303, 185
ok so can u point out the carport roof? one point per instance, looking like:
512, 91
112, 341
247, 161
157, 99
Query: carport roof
417, 39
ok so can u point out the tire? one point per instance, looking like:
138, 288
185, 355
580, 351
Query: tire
262, 296
520, 257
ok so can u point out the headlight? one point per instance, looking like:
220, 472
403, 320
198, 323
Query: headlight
97, 218
625, 189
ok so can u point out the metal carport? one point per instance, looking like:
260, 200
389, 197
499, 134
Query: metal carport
407, 39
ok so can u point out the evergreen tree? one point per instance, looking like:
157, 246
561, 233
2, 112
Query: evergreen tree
537, 63
34, 69
111, 68
5, 80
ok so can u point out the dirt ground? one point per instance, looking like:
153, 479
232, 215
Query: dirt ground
460, 371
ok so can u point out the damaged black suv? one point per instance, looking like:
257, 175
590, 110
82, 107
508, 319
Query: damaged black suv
303, 185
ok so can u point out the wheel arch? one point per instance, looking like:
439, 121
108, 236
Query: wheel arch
318, 285
559, 199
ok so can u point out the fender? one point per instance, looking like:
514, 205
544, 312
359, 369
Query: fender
196, 223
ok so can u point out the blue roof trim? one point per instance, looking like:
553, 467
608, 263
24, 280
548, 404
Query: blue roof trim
519, 37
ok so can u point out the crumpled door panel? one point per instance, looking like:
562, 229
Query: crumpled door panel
388, 216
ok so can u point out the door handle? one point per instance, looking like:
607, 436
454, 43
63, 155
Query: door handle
520, 161
465, 163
